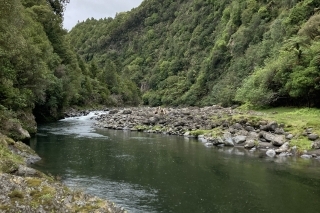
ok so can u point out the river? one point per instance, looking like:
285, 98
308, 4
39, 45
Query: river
159, 173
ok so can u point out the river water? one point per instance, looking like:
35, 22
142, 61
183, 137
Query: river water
159, 173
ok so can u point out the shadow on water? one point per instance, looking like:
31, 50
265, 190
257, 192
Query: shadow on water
159, 173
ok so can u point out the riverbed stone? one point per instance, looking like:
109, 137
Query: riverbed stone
313, 136
253, 135
306, 156
279, 131
126, 111
315, 144
228, 139
249, 144
26, 171
249, 128
289, 136
271, 153
285, 147
237, 126
239, 139
272, 125
278, 140
266, 135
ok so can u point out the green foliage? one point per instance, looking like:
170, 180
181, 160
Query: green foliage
161, 53
200, 52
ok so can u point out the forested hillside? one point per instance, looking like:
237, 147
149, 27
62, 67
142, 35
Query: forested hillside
201, 52
39, 71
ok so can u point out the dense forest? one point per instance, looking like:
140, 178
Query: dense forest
40, 73
203, 52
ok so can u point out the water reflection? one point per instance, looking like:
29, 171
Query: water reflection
160, 173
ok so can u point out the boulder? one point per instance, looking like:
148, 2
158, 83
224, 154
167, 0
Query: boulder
277, 140
289, 136
216, 141
237, 126
249, 144
228, 139
285, 147
272, 126
306, 156
126, 111
267, 136
249, 128
253, 135
26, 171
239, 139
279, 131
313, 137
271, 153
114, 111
315, 144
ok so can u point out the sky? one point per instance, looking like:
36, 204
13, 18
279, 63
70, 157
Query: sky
80, 10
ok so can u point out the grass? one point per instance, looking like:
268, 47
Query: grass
293, 120
296, 120
9, 162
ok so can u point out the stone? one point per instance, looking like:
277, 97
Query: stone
279, 131
26, 171
283, 154
114, 111
249, 144
285, 147
216, 141
305, 156
253, 135
249, 128
267, 136
272, 125
289, 136
313, 137
278, 140
228, 139
315, 144
126, 111
271, 153
239, 139
237, 126
264, 145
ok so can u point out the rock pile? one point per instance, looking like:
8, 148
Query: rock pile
214, 126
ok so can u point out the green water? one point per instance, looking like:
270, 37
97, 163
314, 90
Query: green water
157, 173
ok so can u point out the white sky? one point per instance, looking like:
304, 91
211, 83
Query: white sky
80, 10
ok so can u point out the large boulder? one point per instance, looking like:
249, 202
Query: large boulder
277, 140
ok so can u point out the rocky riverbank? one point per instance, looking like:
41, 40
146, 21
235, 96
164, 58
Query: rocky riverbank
214, 126
24, 189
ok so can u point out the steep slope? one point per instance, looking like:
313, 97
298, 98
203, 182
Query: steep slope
200, 52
